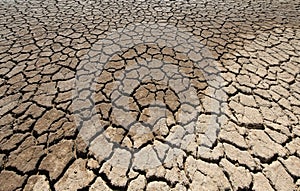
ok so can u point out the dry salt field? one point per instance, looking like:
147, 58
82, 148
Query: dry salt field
183, 95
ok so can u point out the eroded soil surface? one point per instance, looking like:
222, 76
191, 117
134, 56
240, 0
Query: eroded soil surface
155, 95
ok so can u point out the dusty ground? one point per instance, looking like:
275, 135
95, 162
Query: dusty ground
155, 95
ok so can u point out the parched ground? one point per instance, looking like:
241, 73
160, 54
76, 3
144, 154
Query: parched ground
149, 95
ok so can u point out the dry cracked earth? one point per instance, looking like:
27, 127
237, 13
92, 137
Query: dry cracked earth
149, 95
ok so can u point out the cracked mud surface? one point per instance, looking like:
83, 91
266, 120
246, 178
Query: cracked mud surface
155, 95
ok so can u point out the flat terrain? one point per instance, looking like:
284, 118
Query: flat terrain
149, 95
